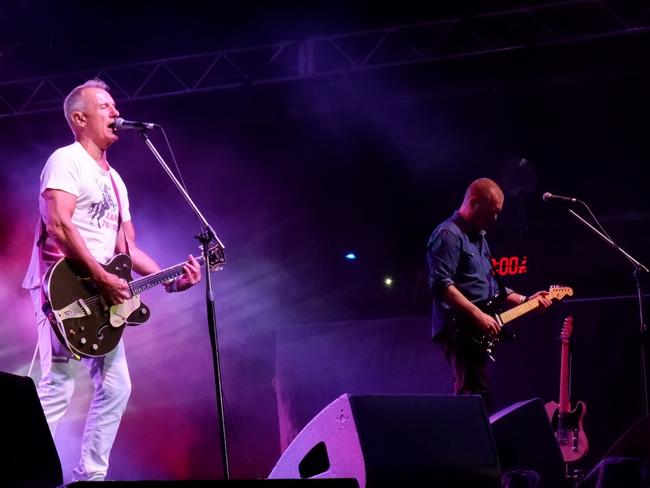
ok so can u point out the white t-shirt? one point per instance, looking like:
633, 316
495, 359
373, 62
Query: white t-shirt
71, 169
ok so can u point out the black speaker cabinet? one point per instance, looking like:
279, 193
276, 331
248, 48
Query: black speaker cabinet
635, 442
525, 440
28, 457
406, 440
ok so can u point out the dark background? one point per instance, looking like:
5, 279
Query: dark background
295, 175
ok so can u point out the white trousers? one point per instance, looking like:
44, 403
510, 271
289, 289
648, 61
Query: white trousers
112, 387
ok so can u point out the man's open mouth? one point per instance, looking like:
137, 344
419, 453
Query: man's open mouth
112, 127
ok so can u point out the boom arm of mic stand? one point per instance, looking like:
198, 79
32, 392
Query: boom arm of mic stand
636, 263
207, 235
207, 227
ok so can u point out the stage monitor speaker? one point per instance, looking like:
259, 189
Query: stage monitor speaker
389, 441
635, 442
290, 483
28, 457
525, 440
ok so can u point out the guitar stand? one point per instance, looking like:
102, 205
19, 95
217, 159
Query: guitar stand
573, 475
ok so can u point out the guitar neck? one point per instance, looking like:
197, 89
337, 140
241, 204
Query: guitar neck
518, 311
147, 282
564, 406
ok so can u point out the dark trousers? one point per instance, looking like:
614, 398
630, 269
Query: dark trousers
469, 364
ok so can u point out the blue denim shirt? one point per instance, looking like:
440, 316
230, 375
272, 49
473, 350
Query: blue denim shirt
460, 257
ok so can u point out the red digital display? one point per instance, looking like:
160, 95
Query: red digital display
509, 265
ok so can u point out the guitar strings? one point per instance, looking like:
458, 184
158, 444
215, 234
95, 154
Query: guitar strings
146, 282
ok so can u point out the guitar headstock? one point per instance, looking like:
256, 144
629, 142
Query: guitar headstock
559, 292
567, 328
216, 258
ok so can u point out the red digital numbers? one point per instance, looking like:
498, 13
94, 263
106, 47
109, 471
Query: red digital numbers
509, 265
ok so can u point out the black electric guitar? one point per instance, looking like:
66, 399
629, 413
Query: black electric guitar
82, 320
567, 423
465, 331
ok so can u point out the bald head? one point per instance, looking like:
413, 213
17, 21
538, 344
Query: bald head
483, 189
482, 203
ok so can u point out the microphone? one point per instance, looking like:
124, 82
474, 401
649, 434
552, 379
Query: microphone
121, 124
549, 197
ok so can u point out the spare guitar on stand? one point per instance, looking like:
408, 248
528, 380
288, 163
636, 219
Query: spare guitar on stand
567, 423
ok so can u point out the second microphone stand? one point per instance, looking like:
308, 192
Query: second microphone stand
638, 269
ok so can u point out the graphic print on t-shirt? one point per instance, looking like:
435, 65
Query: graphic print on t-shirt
103, 213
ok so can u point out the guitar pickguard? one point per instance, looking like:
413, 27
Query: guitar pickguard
120, 313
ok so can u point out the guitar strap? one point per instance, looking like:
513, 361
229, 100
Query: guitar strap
119, 212
40, 242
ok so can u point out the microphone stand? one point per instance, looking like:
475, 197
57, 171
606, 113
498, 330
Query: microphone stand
638, 268
205, 237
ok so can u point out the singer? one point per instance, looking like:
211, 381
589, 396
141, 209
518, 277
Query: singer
461, 278
84, 216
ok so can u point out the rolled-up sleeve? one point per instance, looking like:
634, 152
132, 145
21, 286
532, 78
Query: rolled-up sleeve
443, 255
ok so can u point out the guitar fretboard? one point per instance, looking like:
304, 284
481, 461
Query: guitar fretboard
519, 310
565, 405
152, 280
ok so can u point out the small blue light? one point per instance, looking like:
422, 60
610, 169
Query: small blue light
351, 256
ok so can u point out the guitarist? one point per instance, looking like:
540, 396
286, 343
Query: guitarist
84, 216
461, 278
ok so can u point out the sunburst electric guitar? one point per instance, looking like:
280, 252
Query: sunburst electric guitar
567, 423
82, 320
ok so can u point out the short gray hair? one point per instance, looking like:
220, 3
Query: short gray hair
74, 103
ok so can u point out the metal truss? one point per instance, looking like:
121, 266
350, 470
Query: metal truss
562, 22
